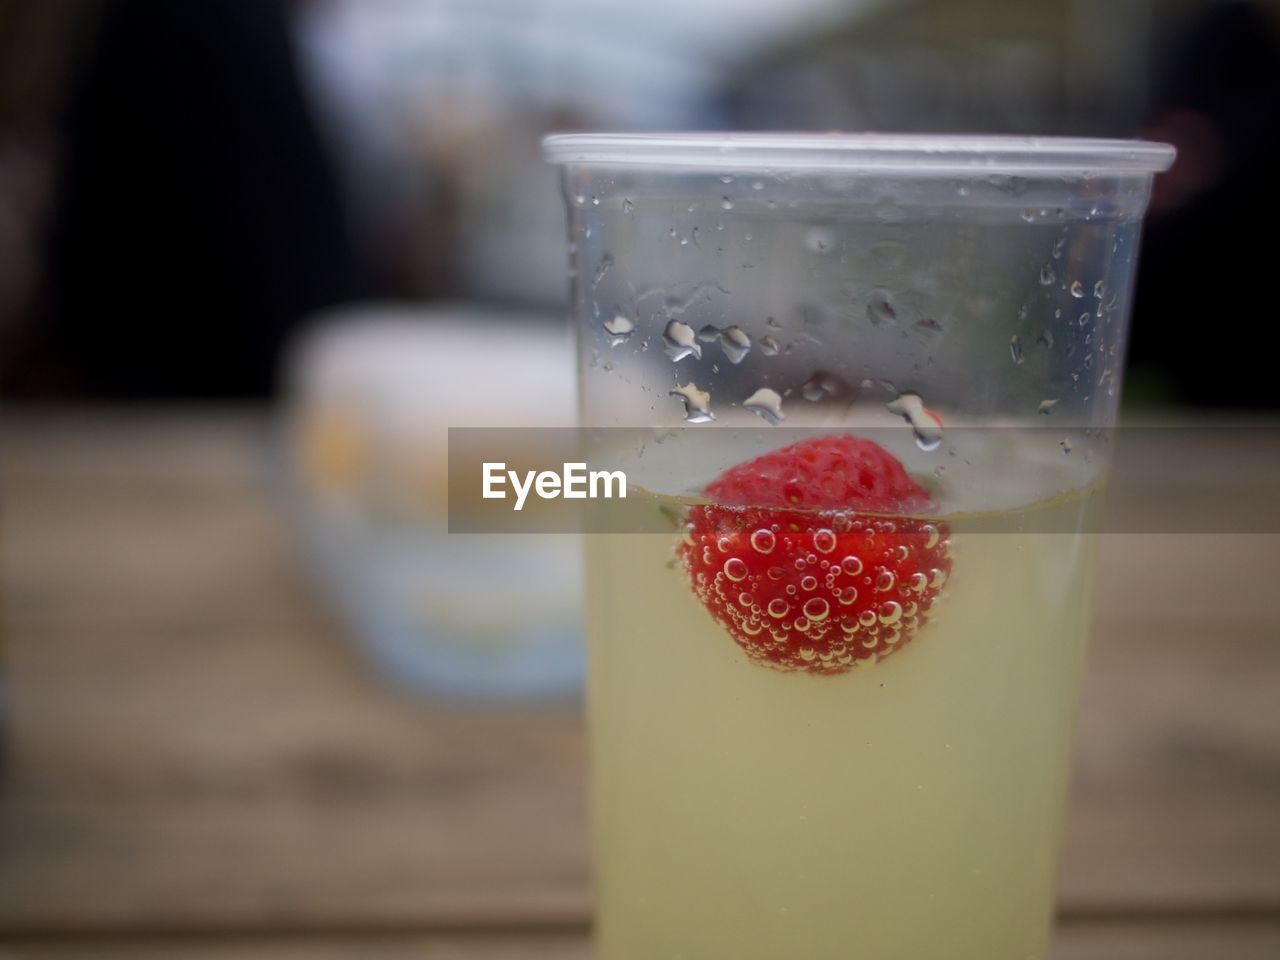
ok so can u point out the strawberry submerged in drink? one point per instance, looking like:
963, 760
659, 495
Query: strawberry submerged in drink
808, 557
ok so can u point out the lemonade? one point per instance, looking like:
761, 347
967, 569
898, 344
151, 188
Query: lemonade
907, 809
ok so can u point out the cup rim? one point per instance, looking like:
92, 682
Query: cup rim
903, 154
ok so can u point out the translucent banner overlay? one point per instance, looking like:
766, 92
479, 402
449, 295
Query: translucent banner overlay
1054, 479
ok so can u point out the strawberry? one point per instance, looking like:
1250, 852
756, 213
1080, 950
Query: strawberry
805, 557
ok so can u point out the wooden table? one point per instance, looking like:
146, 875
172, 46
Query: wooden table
200, 765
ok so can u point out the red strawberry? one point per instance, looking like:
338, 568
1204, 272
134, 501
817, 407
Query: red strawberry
787, 561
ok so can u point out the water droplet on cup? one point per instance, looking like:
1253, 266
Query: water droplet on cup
1077, 289
1015, 348
606, 262
1046, 276
735, 343
697, 403
769, 346
1046, 407
680, 341
820, 386
925, 424
880, 307
619, 329
766, 403
709, 334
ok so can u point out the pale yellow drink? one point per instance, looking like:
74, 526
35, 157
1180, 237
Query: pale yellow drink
907, 810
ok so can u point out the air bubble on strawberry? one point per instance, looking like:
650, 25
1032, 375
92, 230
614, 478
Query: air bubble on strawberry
811, 557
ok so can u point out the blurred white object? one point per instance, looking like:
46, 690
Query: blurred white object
373, 391
452, 96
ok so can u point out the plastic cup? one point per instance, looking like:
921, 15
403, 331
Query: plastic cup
831, 710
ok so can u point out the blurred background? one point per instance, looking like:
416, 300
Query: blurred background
253, 253
181, 188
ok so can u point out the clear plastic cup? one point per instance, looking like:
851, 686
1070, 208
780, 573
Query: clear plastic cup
831, 709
